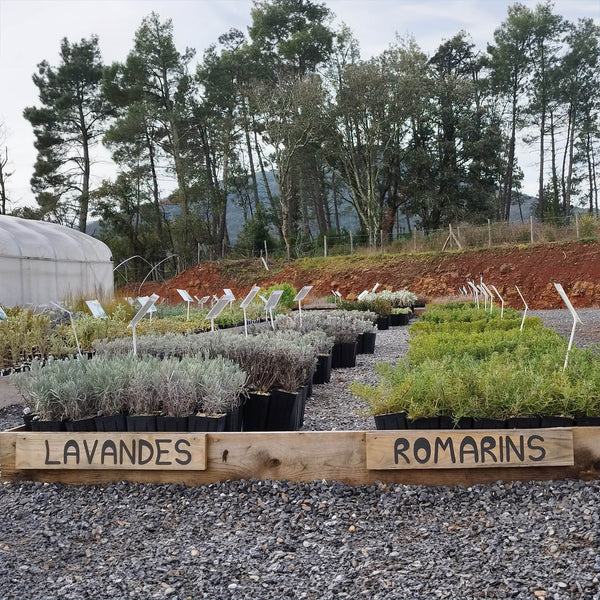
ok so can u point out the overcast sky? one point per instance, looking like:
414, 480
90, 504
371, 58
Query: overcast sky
31, 30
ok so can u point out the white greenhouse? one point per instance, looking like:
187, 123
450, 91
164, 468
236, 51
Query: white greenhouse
42, 262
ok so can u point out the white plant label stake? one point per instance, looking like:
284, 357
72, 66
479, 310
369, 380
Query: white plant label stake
501, 300
576, 319
475, 292
246, 302
274, 298
146, 307
72, 324
230, 295
188, 299
216, 310
202, 301
142, 301
362, 294
526, 307
299, 297
490, 294
96, 309
3, 316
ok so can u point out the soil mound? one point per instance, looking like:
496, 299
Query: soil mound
534, 269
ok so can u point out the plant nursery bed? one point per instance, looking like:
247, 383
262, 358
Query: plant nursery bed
428, 457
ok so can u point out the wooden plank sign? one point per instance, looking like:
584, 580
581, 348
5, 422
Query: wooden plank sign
463, 449
146, 451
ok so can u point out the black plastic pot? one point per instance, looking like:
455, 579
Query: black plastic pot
234, 420
256, 411
531, 422
111, 423
424, 423
343, 355
587, 421
369, 342
284, 410
166, 423
27, 418
552, 421
37, 425
464, 423
141, 422
360, 344
489, 424
81, 425
206, 423
394, 320
445, 422
383, 322
322, 373
391, 421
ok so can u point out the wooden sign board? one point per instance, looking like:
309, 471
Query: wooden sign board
464, 449
147, 451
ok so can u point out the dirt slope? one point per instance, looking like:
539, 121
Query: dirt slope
533, 269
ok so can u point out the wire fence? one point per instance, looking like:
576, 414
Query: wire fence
456, 237
461, 236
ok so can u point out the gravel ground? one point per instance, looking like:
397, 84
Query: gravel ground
252, 539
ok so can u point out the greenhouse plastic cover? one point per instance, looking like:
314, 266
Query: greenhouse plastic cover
42, 262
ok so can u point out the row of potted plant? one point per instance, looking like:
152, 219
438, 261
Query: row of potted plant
48, 333
474, 369
133, 394
352, 332
392, 308
279, 365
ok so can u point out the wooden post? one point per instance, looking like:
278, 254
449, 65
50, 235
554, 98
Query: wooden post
266, 251
381, 232
414, 239
531, 228
489, 233
351, 245
325, 246
576, 226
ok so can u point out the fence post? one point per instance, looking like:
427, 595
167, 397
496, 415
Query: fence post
414, 239
531, 228
381, 232
266, 252
325, 246
351, 245
576, 226
489, 233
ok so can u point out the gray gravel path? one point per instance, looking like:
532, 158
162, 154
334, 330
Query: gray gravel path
320, 540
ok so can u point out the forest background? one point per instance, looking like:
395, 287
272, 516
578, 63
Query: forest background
292, 127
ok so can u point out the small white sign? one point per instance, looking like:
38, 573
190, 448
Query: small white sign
229, 294
146, 307
375, 288
303, 293
141, 300
363, 294
3, 316
273, 300
186, 297
96, 309
250, 296
217, 309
